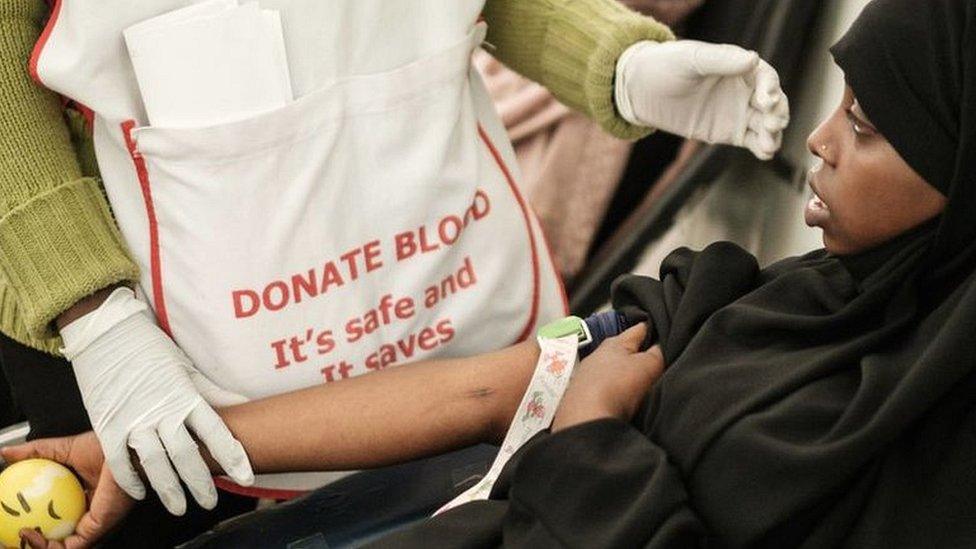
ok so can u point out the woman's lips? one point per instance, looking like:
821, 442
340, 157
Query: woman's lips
817, 213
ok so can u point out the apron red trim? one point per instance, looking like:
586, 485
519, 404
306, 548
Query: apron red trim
255, 492
159, 301
88, 114
525, 211
42, 41
536, 290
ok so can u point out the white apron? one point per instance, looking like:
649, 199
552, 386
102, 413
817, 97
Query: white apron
373, 222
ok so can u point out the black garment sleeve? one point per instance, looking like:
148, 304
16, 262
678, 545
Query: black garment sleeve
692, 286
600, 484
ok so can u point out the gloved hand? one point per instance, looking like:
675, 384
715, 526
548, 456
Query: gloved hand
709, 92
139, 389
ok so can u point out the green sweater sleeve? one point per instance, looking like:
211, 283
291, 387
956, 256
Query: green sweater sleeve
571, 47
58, 241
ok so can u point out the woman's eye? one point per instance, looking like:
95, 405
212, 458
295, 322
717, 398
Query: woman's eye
859, 128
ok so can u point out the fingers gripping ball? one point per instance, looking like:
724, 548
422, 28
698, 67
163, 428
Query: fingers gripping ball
41, 495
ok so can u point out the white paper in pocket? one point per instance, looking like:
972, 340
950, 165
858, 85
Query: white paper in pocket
210, 63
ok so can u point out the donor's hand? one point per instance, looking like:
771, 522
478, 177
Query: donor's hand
612, 382
107, 503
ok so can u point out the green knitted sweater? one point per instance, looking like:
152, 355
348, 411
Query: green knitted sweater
58, 241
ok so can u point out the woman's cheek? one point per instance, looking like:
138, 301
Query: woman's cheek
849, 228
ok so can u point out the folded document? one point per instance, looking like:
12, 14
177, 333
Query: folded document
210, 63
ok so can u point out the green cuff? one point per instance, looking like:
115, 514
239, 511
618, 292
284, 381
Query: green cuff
594, 35
12, 326
56, 249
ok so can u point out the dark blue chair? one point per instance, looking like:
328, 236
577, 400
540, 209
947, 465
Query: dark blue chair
357, 509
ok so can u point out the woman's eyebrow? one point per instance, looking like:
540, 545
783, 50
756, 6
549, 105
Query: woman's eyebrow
858, 112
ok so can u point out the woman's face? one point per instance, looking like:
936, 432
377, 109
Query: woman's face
865, 193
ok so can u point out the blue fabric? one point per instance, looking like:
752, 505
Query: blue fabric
602, 326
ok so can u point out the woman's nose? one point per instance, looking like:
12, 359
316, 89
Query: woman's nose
819, 143
815, 142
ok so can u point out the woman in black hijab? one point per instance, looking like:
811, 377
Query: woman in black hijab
829, 400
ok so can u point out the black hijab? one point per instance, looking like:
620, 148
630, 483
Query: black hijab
820, 402
913, 67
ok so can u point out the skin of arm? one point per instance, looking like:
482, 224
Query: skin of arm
389, 417
423, 409
433, 407
84, 306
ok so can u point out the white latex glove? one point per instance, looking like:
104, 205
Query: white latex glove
717, 93
140, 391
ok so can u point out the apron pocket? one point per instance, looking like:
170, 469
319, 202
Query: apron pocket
368, 225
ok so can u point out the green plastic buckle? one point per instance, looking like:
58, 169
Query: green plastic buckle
571, 325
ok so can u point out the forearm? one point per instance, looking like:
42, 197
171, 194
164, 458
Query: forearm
387, 417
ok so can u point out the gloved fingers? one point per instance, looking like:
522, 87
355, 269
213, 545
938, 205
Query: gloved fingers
768, 91
724, 60
159, 471
778, 117
775, 118
214, 395
185, 456
782, 111
757, 121
764, 148
751, 142
770, 142
760, 122
764, 108
775, 123
120, 464
225, 449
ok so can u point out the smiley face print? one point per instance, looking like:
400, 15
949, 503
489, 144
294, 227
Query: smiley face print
39, 495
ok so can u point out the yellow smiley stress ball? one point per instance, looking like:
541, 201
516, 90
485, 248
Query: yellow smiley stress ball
39, 495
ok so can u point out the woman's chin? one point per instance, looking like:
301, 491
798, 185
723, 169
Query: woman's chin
840, 246
831, 244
